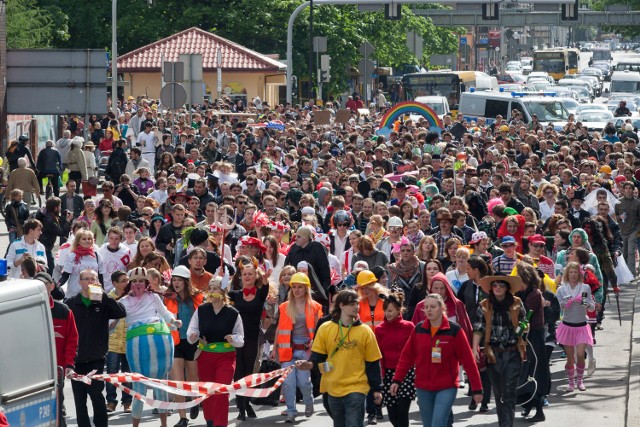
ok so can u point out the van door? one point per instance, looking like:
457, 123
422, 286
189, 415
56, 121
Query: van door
27, 358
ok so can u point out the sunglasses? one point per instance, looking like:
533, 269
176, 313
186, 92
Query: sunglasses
241, 203
498, 285
343, 224
537, 245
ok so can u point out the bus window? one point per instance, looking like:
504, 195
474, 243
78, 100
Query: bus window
495, 107
573, 59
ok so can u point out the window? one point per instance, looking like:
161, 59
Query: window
493, 107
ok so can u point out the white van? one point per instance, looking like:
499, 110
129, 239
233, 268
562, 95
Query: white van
27, 354
625, 82
439, 104
549, 109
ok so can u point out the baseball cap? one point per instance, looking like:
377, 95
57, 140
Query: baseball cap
508, 240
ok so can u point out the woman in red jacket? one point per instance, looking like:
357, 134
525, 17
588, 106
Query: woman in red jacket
391, 335
437, 373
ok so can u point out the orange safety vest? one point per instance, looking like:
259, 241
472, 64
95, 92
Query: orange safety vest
172, 306
365, 313
285, 329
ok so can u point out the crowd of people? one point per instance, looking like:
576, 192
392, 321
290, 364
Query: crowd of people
384, 269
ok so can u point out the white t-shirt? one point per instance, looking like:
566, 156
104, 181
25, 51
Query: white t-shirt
112, 262
18, 249
147, 308
74, 269
133, 248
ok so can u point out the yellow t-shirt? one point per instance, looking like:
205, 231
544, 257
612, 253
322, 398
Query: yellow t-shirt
348, 374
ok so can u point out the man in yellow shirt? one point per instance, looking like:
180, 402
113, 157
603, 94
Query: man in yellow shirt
349, 358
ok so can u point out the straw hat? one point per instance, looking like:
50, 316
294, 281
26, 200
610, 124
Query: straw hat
515, 283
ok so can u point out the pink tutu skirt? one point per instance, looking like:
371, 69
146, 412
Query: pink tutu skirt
573, 335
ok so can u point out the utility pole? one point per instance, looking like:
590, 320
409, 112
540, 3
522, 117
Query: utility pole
114, 56
3, 75
310, 49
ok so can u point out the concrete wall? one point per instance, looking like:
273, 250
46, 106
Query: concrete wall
264, 85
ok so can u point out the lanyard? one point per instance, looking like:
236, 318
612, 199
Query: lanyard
342, 339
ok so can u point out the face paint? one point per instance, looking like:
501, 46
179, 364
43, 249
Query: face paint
138, 288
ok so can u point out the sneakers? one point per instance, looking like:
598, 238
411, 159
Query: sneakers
290, 419
308, 410
126, 408
371, 420
484, 408
111, 407
591, 369
182, 423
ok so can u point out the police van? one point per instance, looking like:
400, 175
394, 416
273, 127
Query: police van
27, 355
490, 104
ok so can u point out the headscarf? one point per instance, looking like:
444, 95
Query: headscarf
585, 238
502, 232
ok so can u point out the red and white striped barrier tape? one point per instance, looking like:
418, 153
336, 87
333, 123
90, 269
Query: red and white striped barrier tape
197, 390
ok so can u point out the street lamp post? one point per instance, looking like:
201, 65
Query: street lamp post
114, 56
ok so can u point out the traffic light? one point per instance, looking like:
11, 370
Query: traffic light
490, 11
570, 11
325, 68
393, 12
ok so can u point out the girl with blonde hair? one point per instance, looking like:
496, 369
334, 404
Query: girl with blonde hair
296, 330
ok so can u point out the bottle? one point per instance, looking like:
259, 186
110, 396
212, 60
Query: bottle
584, 298
524, 324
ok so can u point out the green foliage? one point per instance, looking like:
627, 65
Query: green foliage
260, 25
625, 31
30, 25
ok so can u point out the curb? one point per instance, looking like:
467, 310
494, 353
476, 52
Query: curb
633, 385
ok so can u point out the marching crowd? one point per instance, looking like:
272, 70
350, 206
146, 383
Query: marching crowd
384, 269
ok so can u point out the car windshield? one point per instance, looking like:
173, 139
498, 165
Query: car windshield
571, 105
548, 111
581, 91
625, 86
596, 116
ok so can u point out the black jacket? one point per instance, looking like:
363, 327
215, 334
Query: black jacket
314, 253
78, 204
49, 161
21, 213
52, 228
168, 233
21, 150
93, 326
204, 199
117, 165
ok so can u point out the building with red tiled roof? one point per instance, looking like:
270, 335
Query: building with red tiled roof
245, 73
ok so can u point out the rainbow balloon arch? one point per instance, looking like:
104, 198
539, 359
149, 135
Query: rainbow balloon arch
409, 107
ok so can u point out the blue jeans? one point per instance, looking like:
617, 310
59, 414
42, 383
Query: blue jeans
348, 411
435, 406
300, 379
117, 362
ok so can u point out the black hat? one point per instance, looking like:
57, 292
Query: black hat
578, 194
294, 195
198, 235
401, 184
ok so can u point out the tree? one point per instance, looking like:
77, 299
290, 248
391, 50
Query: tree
29, 25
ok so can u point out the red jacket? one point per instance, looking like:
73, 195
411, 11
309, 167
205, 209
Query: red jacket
454, 347
66, 334
391, 337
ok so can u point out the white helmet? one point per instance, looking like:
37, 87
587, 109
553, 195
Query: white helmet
181, 271
394, 221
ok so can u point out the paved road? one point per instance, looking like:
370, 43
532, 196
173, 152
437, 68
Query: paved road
603, 404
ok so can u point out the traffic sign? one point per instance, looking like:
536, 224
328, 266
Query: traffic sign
463, 40
173, 95
366, 49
